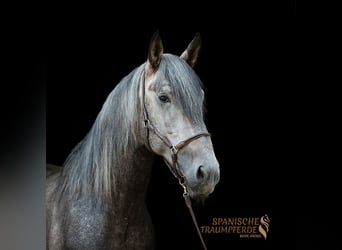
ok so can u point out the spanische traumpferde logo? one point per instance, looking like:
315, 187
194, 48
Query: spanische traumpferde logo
244, 227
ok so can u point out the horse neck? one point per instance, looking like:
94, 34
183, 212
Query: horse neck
130, 171
132, 178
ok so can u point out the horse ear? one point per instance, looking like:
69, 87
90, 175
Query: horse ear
155, 51
191, 53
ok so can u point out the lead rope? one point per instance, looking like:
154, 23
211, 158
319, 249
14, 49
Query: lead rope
188, 204
175, 170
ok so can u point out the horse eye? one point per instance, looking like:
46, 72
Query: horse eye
164, 98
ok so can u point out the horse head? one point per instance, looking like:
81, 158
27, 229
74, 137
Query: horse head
173, 100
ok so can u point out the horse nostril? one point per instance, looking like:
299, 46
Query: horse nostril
200, 173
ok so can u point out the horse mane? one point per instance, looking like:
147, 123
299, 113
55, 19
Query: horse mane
90, 169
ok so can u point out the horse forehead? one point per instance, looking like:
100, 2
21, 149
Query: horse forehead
161, 85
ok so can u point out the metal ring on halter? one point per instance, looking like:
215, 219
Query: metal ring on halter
146, 122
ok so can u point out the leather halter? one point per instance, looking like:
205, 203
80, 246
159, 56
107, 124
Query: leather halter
174, 152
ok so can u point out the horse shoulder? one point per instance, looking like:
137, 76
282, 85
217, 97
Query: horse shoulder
54, 237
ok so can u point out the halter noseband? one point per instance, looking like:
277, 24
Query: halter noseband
173, 148
174, 152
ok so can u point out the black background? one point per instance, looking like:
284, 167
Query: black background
257, 66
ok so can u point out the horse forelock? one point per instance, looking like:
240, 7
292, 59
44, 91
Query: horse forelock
185, 85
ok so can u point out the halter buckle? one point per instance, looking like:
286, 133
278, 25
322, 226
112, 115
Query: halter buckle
174, 149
